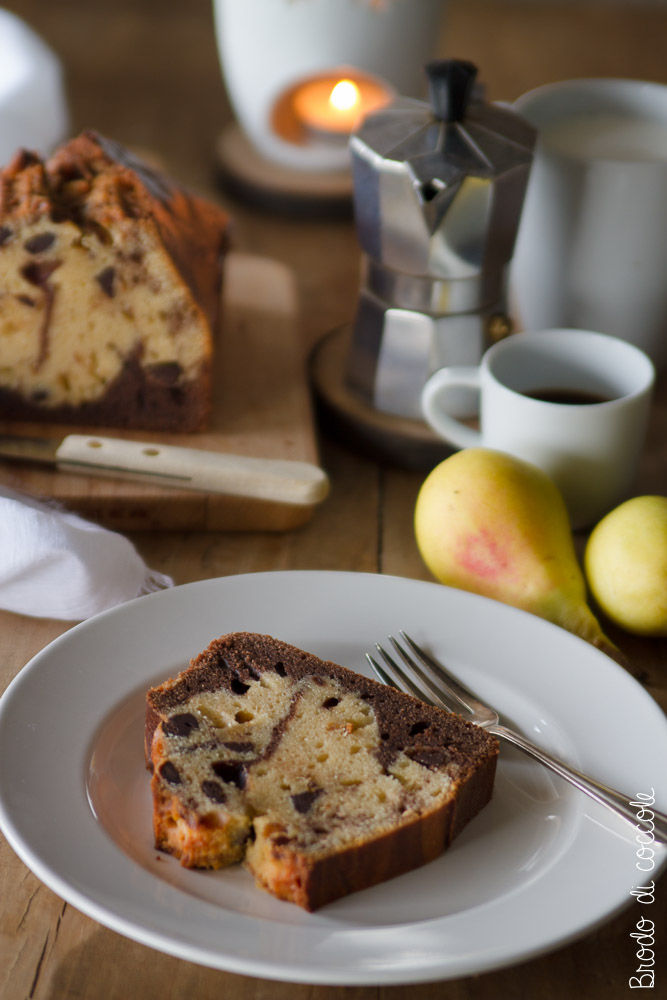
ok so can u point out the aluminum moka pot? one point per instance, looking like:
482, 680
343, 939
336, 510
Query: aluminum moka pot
438, 191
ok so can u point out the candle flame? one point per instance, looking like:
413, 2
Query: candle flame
345, 95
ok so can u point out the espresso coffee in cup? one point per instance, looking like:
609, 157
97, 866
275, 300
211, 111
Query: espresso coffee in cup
573, 402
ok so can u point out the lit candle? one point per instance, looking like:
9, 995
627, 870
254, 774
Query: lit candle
334, 106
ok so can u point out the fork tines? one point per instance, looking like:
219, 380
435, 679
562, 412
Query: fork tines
417, 676
396, 677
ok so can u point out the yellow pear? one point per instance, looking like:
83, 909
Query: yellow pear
626, 565
498, 526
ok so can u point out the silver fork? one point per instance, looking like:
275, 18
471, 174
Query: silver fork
427, 679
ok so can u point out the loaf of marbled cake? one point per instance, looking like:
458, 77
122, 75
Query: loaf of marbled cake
110, 279
323, 781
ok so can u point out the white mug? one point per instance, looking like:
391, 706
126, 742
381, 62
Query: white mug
592, 241
573, 402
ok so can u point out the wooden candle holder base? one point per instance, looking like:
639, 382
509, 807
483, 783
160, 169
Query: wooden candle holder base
249, 176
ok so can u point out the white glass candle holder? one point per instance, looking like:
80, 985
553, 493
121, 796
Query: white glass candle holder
271, 51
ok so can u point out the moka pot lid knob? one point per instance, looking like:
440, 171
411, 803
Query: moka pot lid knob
450, 83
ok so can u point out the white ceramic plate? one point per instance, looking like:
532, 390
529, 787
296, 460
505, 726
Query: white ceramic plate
75, 801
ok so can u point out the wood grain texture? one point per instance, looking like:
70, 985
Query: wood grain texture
154, 82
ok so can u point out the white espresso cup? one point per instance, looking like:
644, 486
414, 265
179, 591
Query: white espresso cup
592, 240
573, 402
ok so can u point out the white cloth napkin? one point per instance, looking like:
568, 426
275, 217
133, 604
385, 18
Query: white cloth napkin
54, 564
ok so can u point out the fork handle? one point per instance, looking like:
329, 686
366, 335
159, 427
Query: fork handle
614, 800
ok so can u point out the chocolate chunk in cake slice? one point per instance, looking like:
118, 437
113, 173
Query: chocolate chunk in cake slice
110, 279
321, 780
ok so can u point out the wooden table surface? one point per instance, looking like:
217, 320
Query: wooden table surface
146, 72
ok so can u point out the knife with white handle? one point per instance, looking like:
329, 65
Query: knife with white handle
279, 480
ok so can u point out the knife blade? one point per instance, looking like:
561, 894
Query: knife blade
280, 480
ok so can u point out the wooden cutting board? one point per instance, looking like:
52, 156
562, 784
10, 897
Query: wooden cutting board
261, 408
